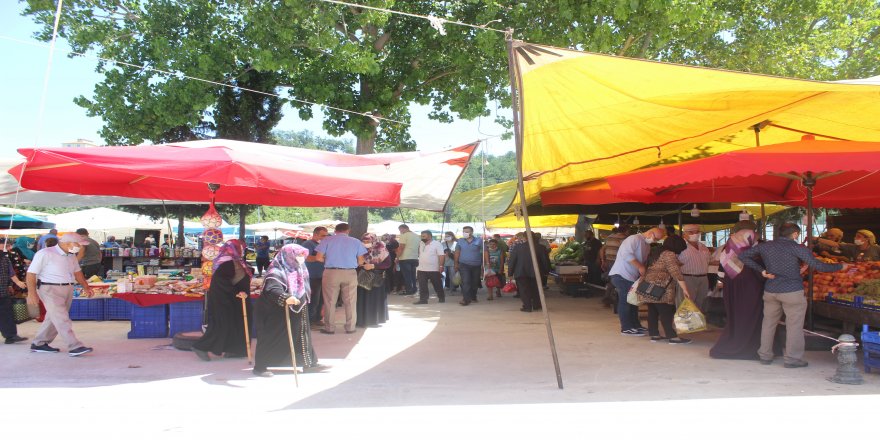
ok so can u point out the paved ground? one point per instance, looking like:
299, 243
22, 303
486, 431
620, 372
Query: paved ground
434, 370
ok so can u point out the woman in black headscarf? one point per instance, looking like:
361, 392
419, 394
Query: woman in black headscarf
230, 283
285, 290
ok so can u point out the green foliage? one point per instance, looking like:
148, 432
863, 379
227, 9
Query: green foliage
306, 139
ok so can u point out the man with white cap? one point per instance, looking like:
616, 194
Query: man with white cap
51, 276
695, 266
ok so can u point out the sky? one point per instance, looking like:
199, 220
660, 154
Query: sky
21, 92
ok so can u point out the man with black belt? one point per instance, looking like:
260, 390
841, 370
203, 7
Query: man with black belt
695, 266
51, 276
316, 276
341, 256
92, 260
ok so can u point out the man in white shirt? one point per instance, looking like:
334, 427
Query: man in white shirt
695, 266
51, 277
431, 259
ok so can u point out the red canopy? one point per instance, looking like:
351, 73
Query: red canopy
597, 192
171, 172
846, 174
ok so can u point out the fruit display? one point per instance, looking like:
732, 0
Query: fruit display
859, 280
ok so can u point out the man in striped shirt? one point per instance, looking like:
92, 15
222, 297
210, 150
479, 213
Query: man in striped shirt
695, 266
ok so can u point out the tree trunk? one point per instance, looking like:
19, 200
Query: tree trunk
357, 216
181, 242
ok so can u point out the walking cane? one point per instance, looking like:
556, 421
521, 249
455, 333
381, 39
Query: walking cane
247, 336
290, 340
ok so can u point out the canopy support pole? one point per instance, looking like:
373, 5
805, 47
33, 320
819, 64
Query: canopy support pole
763, 223
516, 100
809, 182
242, 211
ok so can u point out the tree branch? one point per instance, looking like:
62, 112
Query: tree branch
645, 43
343, 29
626, 45
380, 42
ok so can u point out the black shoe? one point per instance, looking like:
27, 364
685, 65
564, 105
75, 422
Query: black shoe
464, 302
657, 338
45, 348
680, 341
15, 339
524, 309
203, 355
263, 373
327, 332
441, 300
79, 351
350, 331
420, 302
766, 361
796, 364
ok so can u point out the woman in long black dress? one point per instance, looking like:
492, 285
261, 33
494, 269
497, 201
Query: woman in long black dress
230, 282
285, 290
743, 299
371, 299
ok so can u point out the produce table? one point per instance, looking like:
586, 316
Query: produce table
147, 300
851, 317
153, 315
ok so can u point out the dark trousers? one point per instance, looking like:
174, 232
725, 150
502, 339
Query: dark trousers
664, 313
316, 304
91, 270
470, 279
434, 278
7, 317
408, 269
528, 292
626, 312
263, 264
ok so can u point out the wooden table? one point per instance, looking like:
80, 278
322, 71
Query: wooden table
851, 317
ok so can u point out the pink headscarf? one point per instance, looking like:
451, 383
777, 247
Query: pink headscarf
232, 250
288, 272
377, 252
729, 258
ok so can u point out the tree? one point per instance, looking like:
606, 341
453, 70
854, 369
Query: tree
306, 139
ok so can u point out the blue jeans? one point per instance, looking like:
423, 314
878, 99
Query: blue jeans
449, 274
470, 279
408, 270
626, 312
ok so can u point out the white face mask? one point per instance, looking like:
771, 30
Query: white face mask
694, 237
73, 249
859, 241
466, 234
649, 240
300, 259
448, 238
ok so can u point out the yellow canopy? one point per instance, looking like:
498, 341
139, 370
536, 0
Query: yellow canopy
487, 202
587, 116
539, 221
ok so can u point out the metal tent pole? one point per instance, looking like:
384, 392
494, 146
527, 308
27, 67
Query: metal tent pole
809, 182
516, 99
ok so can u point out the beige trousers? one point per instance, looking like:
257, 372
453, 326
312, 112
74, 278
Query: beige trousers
57, 300
334, 283
794, 305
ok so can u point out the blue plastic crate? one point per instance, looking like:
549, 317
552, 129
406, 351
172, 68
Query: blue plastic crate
118, 309
185, 317
149, 322
88, 309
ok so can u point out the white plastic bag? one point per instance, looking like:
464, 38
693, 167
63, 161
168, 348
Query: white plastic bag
689, 318
632, 297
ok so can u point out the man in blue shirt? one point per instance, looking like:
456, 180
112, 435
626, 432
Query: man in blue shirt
316, 274
53, 233
469, 263
780, 263
341, 256
262, 249
629, 266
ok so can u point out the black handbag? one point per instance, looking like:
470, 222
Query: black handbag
651, 290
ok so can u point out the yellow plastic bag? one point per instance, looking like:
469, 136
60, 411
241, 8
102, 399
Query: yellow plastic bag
689, 318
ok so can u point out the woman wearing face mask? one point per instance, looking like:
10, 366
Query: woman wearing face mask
285, 290
230, 283
372, 297
449, 263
